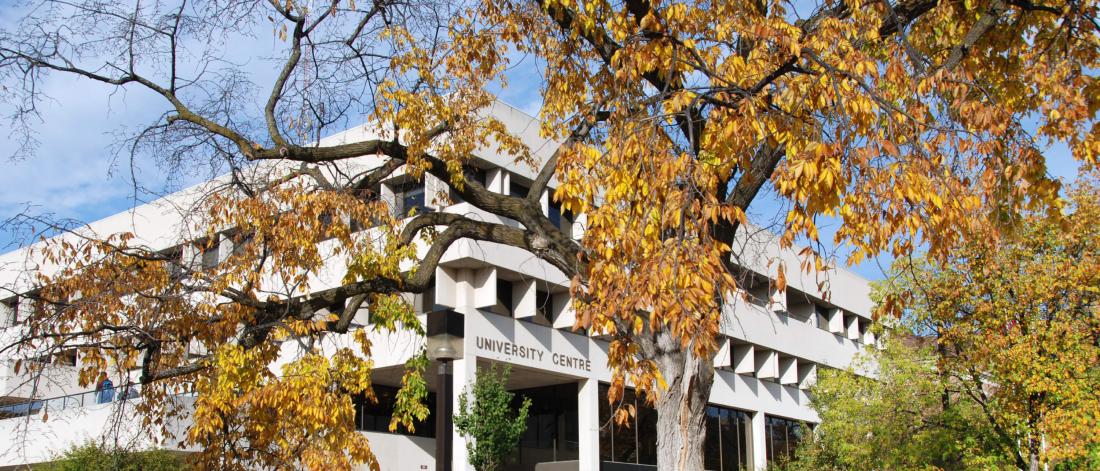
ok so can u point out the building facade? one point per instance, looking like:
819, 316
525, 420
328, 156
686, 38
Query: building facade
515, 310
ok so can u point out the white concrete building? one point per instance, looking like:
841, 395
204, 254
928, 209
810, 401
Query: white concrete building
516, 310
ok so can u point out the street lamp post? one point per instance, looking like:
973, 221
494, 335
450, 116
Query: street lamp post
444, 342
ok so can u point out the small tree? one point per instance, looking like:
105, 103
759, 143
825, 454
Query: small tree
93, 457
490, 420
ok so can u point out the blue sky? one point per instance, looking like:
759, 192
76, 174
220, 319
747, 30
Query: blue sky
77, 174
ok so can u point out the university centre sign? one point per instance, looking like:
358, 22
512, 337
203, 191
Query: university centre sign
531, 353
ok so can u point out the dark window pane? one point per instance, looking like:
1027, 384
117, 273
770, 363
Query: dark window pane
647, 433
626, 437
517, 189
375, 416
744, 438
409, 196
606, 429
712, 458
504, 297
783, 436
544, 305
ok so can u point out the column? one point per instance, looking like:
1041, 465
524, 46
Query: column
464, 372
588, 419
759, 445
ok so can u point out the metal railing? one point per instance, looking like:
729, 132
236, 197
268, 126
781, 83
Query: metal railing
81, 399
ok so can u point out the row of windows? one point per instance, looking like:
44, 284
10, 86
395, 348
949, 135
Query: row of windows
727, 446
801, 306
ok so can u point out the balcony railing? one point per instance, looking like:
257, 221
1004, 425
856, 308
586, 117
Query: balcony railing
82, 399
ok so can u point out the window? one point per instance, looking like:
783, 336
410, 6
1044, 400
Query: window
209, 255
782, 437
733, 437
9, 311
726, 447
552, 432
375, 416
822, 313
473, 174
409, 196
65, 358
504, 298
173, 262
544, 305
562, 219
324, 232
368, 196
633, 442
516, 188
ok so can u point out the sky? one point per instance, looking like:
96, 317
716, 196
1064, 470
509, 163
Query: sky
77, 173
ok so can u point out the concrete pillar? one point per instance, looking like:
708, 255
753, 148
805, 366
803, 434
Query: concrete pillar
523, 299
436, 191
564, 315
835, 321
464, 371
579, 223
868, 337
387, 195
496, 180
446, 287
225, 247
724, 358
759, 456
7, 312
807, 374
777, 299
544, 202
767, 364
744, 359
464, 290
851, 327
788, 370
485, 287
588, 419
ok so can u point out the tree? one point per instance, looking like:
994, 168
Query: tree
486, 416
92, 457
905, 418
901, 119
1015, 321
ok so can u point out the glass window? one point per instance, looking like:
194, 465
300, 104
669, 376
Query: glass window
551, 433
647, 433
712, 453
517, 189
409, 196
544, 305
560, 218
606, 427
472, 174
504, 298
783, 437
209, 254
375, 416
633, 442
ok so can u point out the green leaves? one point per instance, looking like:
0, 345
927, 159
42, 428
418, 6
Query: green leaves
486, 417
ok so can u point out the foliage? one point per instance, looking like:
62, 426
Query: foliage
93, 457
902, 120
486, 416
1017, 321
1007, 365
905, 418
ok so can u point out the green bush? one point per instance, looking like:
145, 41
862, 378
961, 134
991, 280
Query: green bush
93, 457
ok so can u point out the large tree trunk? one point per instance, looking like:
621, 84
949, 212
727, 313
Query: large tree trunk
681, 409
